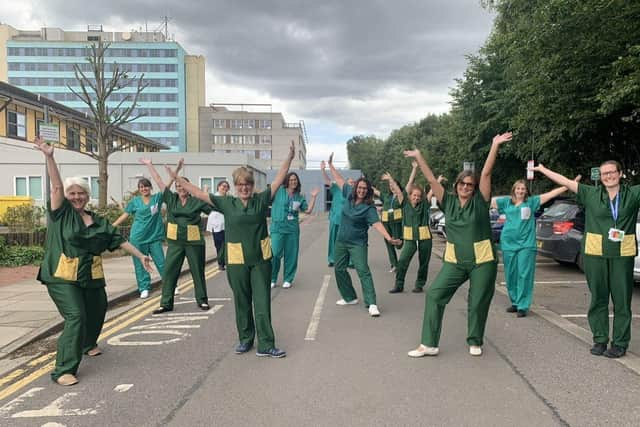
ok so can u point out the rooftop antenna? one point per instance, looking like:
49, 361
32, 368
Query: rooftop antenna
165, 24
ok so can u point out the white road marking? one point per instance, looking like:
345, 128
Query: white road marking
53, 425
118, 339
6, 409
55, 409
558, 282
121, 388
584, 316
312, 330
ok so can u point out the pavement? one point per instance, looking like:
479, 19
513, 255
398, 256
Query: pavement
27, 313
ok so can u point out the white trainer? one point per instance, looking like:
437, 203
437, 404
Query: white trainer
176, 291
144, 294
273, 285
423, 350
286, 285
343, 302
475, 350
373, 310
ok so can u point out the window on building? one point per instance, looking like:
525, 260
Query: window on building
248, 123
236, 124
264, 154
250, 139
218, 123
16, 124
265, 124
236, 139
28, 186
265, 139
73, 137
206, 184
91, 141
219, 139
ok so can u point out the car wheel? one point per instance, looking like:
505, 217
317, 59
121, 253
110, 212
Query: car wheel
580, 262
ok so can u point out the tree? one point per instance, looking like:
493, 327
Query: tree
95, 92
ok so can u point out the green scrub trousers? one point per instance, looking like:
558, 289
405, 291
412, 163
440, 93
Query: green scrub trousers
83, 310
154, 250
481, 289
395, 230
333, 234
409, 248
251, 283
287, 246
519, 271
176, 253
610, 276
358, 255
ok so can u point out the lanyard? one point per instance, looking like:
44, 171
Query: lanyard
615, 208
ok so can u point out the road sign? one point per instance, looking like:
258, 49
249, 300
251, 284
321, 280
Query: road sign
50, 132
595, 174
468, 166
530, 165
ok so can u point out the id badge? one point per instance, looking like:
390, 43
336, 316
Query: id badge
154, 209
525, 213
295, 206
290, 217
616, 235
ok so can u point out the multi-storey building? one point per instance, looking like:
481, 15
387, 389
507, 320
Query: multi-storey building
43, 61
266, 136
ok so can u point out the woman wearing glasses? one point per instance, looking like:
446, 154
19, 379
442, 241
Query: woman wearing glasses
609, 247
469, 253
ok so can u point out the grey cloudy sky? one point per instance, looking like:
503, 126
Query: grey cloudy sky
344, 67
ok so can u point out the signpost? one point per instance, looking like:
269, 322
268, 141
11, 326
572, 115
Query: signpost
595, 174
50, 132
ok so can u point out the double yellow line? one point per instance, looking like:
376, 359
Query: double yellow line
109, 328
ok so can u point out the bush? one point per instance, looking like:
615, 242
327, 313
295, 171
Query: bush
14, 256
23, 218
111, 212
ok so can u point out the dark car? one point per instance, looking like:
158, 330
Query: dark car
497, 223
559, 232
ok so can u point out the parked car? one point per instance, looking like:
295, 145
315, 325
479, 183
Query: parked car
437, 222
559, 232
497, 223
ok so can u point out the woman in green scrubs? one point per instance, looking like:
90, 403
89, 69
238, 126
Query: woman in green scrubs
609, 248
469, 254
184, 239
72, 267
248, 254
518, 242
415, 233
335, 213
147, 232
358, 214
285, 227
391, 216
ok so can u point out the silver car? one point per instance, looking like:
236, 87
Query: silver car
636, 266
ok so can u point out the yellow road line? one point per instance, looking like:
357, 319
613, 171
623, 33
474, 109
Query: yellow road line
139, 312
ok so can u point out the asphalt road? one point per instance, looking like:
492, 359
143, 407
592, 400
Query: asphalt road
343, 367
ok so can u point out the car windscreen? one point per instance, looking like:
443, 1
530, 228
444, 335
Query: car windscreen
560, 210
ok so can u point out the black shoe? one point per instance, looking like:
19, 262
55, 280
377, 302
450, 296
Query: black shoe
522, 313
204, 306
615, 351
512, 309
396, 290
598, 349
416, 290
330, 264
221, 268
275, 353
161, 310
243, 347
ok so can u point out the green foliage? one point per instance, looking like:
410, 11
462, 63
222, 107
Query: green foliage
110, 212
14, 256
23, 217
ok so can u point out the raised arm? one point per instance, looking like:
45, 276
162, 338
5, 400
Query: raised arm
154, 174
545, 197
314, 196
429, 195
327, 180
394, 186
282, 172
57, 188
487, 169
412, 177
436, 187
194, 190
336, 175
572, 185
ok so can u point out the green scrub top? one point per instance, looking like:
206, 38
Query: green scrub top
337, 201
285, 210
391, 211
246, 236
519, 231
147, 224
599, 220
183, 222
356, 219
73, 250
468, 230
415, 220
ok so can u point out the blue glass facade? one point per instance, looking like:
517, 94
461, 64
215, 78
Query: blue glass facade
46, 68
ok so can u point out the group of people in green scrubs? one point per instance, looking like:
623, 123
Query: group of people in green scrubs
287, 203
72, 267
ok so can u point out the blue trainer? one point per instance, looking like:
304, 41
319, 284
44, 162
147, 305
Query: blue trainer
243, 347
276, 353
